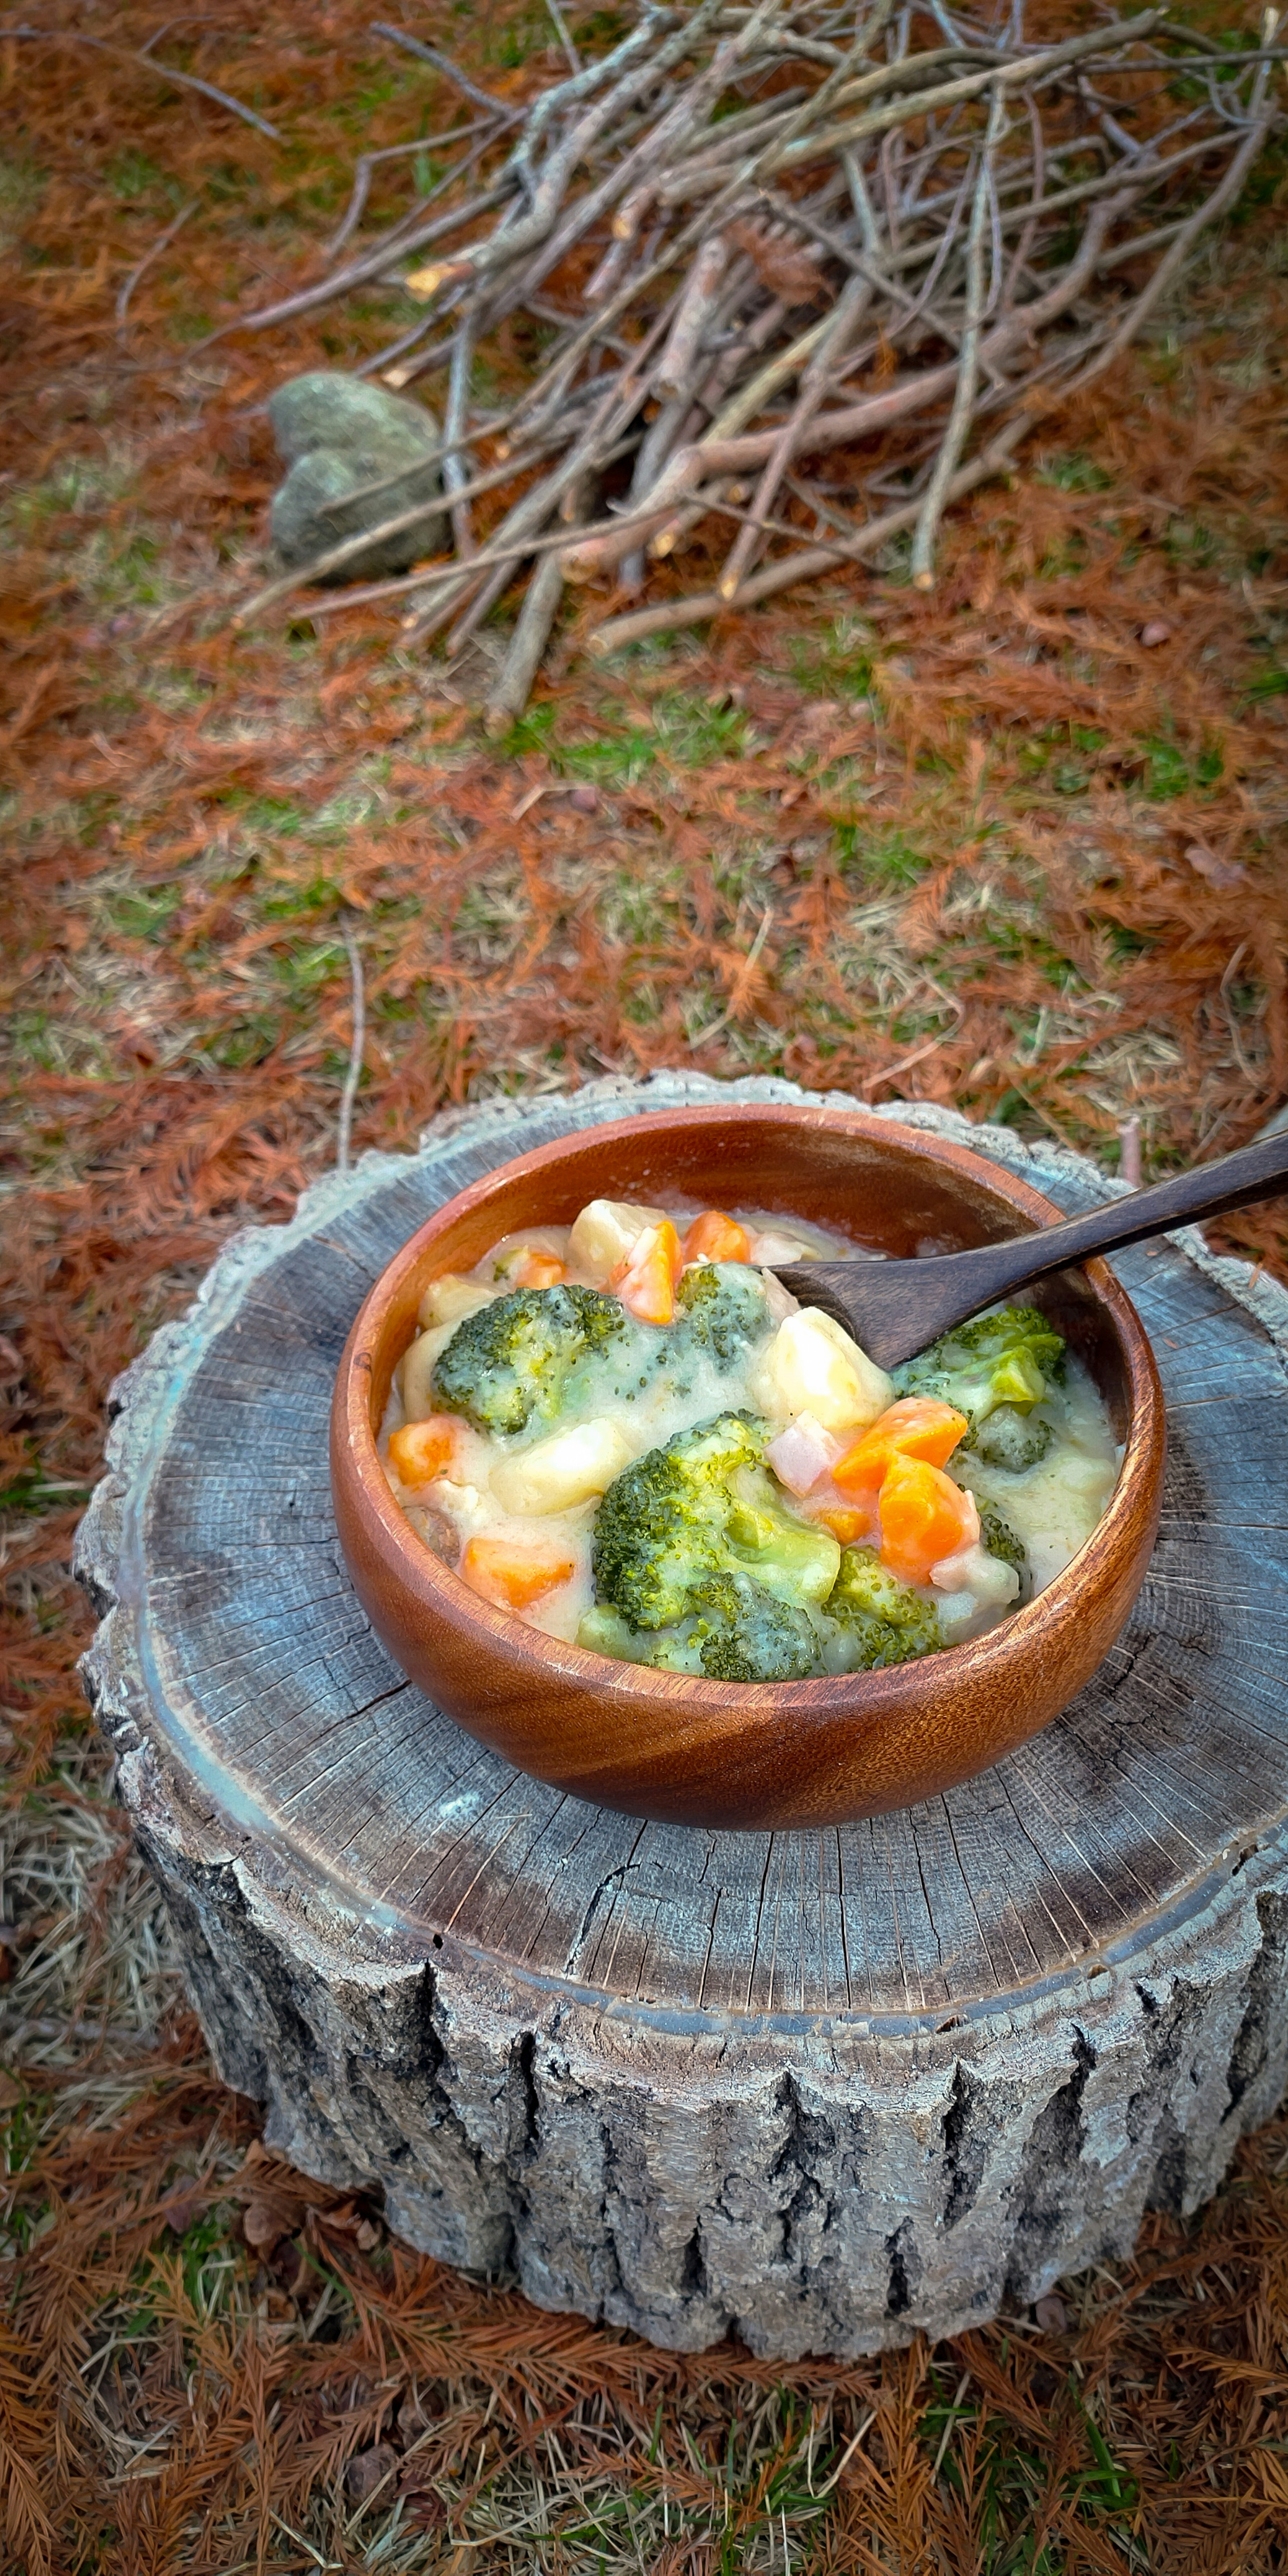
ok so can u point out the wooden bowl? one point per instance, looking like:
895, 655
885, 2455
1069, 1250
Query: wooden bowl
747, 1755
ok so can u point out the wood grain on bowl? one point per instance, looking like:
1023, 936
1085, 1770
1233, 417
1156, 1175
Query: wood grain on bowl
741, 1754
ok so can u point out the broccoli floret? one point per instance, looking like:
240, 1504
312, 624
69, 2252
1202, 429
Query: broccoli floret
878, 1619
603, 1631
1008, 1358
796, 1560
725, 1308
1010, 1439
746, 1634
660, 1526
509, 1364
674, 1518
734, 1631
668, 1650
998, 1537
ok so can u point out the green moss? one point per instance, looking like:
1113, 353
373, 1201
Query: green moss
532, 731
1269, 681
144, 912
131, 175
245, 1041
884, 859
1171, 771
1075, 472
301, 903
838, 663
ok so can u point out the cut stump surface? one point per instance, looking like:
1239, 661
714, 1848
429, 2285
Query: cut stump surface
816, 2089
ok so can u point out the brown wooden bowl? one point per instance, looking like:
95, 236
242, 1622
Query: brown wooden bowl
747, 1755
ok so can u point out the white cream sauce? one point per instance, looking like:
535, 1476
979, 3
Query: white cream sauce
646, 1418
1052, 1507
1055, 1506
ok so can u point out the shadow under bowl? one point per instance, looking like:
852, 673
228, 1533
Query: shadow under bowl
748, 1755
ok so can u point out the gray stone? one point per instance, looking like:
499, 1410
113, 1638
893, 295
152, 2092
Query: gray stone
339, 434
327, 409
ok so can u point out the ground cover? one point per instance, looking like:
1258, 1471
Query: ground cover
1016, 845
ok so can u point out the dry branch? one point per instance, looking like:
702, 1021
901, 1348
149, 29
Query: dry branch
741, 219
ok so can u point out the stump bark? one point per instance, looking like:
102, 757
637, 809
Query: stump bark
816, 2089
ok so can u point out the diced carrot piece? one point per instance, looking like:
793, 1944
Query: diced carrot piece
536, 1269
924, 1516
512, 1572
918, 1426
716, 1237
852, 1528
645, 1281
423, 1450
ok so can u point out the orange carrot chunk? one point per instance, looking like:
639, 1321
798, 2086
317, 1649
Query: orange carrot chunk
924, 1516
853, 1528
645, 1280
514, 1572
536, 1269
716, 1237
423, 1450
918, 1426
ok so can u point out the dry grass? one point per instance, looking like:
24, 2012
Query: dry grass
990, 848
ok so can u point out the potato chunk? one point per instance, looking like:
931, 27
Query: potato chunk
450, 1299
417, 1372
812, 1366
565, 1469
604, 1233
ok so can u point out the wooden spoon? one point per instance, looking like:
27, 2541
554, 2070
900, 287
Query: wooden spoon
894, 1308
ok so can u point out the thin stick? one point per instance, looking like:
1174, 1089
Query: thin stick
1168, 267
161, 244
849, 312
1034, 67
532, 229
693, 313
368, 161
344, 1124
328, 289
400, 375
477, 608
643, 622
456, 464
513, 686
964, 2382
442, 63
510, 691
923, 544
162, 71
561, 30
662, 435
370, 594
521, 537
582, 84
1029, 234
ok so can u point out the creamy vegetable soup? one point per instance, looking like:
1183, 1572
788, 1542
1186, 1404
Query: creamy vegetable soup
627, 1432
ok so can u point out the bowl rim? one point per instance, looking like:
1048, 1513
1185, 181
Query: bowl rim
868, 1694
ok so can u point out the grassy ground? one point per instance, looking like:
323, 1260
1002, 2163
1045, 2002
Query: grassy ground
993, 847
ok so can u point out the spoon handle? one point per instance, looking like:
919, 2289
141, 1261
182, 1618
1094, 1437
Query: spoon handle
1185, 1198
896, 1308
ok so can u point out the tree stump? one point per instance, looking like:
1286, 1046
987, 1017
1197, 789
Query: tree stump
816, 2089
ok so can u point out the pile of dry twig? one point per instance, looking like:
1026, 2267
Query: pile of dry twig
756, 239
